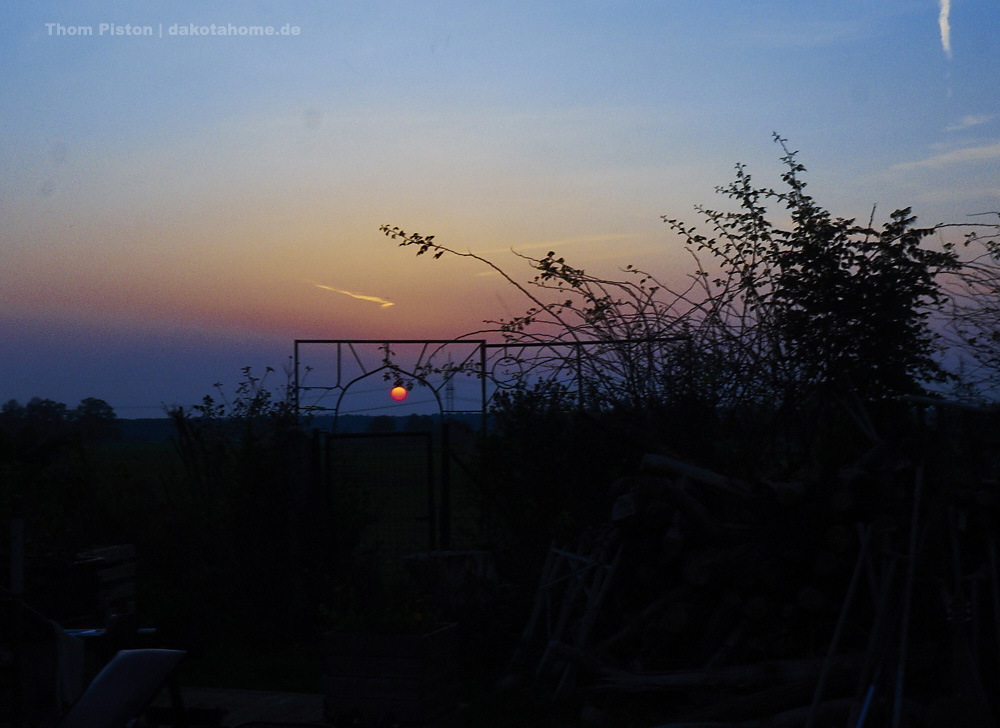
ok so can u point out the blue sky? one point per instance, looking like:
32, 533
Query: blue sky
177, 207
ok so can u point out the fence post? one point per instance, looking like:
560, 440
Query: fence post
445, 485
431, 507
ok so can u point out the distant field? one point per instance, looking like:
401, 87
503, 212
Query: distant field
148, 462
162, 428
388, 477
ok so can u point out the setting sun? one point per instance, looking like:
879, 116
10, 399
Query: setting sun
398, 393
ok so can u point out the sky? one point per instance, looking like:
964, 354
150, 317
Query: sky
179, 205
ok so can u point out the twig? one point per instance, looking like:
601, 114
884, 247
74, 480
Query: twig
911, 570
865, 533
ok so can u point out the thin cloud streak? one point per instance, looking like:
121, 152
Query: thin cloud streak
983, 153
361, 297
816, 33
969, 121
943, 21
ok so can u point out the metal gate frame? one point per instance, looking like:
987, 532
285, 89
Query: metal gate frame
330, 458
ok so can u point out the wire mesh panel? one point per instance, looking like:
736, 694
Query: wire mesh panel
390, 476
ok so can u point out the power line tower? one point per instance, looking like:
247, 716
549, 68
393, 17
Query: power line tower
449, 392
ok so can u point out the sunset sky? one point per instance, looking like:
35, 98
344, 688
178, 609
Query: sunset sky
174, 207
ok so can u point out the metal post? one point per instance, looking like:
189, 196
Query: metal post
295, 390
911, 569
17, 591
17, 548
431, 514
482, 383
445, 486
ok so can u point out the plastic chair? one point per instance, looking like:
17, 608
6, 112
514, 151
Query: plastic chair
123, 689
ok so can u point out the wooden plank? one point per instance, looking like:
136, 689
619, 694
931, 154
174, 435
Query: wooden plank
122, 552
667, 466
246, 706
116, 572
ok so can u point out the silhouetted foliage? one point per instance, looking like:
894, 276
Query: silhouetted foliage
382, 423
47, 420
235, 455
261, 520
48, 459
418, 423
96, 420
545, 470
826, 303
802, 330
975, 314
609, 338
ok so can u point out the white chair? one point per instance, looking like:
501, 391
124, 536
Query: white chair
123, 689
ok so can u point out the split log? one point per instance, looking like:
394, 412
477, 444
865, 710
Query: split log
722, 630
696, 516
831, 712
786, 492
758, 608
730, 642
700, 566
551, 562
665, 466
650, 611
812, 599
738, 676
768, 702
829, 662
598, 591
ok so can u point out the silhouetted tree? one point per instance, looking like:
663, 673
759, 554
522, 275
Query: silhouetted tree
821, 303
264, 535
818, 317
609, 338
382, 423
418, 423
975, 314
824, 302
11, 416
96, 420
46, 418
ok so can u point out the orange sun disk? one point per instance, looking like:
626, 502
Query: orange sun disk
398, 393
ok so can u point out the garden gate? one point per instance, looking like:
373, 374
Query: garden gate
390, 477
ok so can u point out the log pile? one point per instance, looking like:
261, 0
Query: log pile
871, 599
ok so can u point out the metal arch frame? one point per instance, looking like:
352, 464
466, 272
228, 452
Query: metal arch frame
479, 369
387, 366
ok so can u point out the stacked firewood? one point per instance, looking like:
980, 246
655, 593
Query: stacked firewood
872, 598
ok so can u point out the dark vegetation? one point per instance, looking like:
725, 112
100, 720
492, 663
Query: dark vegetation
807, 361
798, 361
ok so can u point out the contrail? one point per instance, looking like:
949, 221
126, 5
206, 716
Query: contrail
945, 27
374, 299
